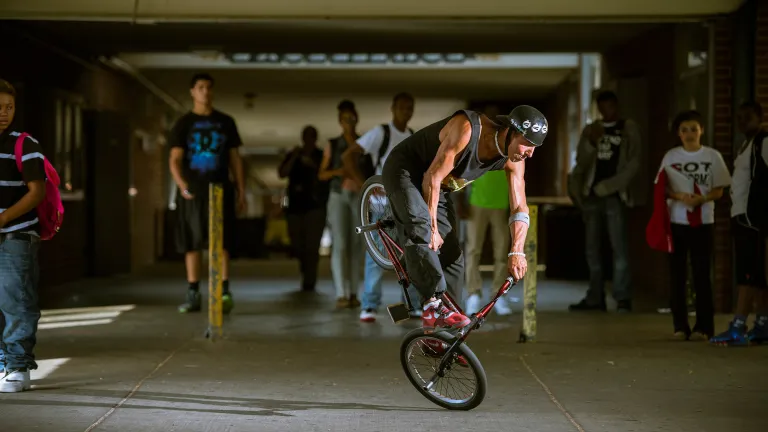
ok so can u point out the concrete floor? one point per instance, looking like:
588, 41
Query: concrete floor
290, 363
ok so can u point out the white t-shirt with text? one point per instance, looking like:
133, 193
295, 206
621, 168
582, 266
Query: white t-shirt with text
707, 169
372, 141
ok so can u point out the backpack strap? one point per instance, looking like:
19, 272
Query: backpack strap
384, 143
19, 150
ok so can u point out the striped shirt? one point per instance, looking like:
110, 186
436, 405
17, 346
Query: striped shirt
13, 184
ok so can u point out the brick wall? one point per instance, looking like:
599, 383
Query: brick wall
723, 142
761, 54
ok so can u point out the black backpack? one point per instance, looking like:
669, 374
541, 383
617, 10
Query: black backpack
757, 205
365, 162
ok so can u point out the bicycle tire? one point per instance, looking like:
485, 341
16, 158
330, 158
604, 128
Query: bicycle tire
465, 351
381, 259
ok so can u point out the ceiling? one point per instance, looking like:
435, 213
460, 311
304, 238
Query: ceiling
285, 36
251, 9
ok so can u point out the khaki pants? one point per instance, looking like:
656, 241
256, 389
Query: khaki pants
500, 236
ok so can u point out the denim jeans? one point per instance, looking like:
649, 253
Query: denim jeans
347, 247
610, 211
19, 274
373, 276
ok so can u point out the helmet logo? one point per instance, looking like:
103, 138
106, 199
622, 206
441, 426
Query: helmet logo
527, 124
544, 129
536, 127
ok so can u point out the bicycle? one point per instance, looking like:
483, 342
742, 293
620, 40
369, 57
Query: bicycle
458, 355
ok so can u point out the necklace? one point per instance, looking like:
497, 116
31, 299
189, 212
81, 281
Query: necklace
496, 139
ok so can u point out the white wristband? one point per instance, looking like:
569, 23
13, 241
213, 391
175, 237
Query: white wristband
522, 254
521, 217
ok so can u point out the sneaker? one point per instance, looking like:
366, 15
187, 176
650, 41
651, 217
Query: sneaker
473, 304
681, 335
583, 306
342, 303
698, 336
227, 304
16, 380
416, 313
624, 306
438, 315
758, 335
734, 336
193, 302
368, 316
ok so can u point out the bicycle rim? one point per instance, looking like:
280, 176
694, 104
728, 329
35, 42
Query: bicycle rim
463, 384
374, 206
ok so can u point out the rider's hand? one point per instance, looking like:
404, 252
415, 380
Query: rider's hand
517, 266
436, 241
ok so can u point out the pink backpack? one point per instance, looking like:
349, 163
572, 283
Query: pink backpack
50, 212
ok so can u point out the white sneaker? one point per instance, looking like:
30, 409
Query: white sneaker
502, 307
15, 381
473, 304
368, 316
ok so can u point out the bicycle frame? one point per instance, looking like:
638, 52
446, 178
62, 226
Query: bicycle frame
392, 247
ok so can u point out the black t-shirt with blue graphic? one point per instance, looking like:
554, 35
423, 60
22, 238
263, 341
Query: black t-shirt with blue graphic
206, 141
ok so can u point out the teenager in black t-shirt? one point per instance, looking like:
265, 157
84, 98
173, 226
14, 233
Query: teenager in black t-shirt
204, 147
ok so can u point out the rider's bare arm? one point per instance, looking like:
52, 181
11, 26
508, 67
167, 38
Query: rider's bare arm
517, 203
454, 137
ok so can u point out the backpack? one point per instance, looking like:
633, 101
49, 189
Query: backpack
365, 161
50, 212
757, 205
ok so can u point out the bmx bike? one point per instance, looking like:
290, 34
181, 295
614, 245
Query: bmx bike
430, 357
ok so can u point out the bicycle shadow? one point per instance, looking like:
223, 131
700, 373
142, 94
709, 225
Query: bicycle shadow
228, 404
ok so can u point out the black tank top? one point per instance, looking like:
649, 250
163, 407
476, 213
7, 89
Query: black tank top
418, 151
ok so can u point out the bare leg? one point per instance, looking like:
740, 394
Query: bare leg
194, 262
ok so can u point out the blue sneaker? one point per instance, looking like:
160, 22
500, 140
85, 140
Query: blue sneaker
757, 335
734, 336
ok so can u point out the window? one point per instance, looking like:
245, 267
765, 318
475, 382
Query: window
68, 157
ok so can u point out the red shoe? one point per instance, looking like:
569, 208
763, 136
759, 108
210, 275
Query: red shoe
438, 315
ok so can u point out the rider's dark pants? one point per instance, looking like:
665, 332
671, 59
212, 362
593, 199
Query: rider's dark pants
430, 272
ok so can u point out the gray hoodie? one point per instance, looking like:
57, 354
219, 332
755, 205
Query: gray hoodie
625, 182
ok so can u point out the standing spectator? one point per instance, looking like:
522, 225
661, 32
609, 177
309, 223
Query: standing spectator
489, 205
378, 143
20, 194
204, 148
307, 200
692, 217
607, 160
347, 247
750, 186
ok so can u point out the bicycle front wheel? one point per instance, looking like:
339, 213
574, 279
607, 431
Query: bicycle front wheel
374, 207
463, 383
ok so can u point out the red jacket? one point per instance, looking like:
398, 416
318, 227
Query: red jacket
658, 232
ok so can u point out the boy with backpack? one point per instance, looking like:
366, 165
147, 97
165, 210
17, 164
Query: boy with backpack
365, 160
30, 211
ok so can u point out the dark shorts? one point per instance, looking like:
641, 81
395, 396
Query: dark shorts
192, 224
750, 247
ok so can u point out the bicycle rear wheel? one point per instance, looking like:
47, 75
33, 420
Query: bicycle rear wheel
374, 207
463, 384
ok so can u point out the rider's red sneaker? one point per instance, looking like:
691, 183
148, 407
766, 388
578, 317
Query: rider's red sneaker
438, 315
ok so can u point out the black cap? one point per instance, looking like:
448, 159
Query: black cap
529, 121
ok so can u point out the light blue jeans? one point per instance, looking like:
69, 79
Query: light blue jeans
347, 247
373, 277
20, 312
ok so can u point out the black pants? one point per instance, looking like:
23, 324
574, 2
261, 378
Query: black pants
192, 225
306, 231
698, 242
429, 271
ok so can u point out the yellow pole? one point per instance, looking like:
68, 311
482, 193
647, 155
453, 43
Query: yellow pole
528, 333
215, 259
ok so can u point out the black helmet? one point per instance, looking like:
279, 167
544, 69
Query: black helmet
529, 121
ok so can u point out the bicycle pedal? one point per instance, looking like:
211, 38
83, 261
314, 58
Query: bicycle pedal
398, 312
